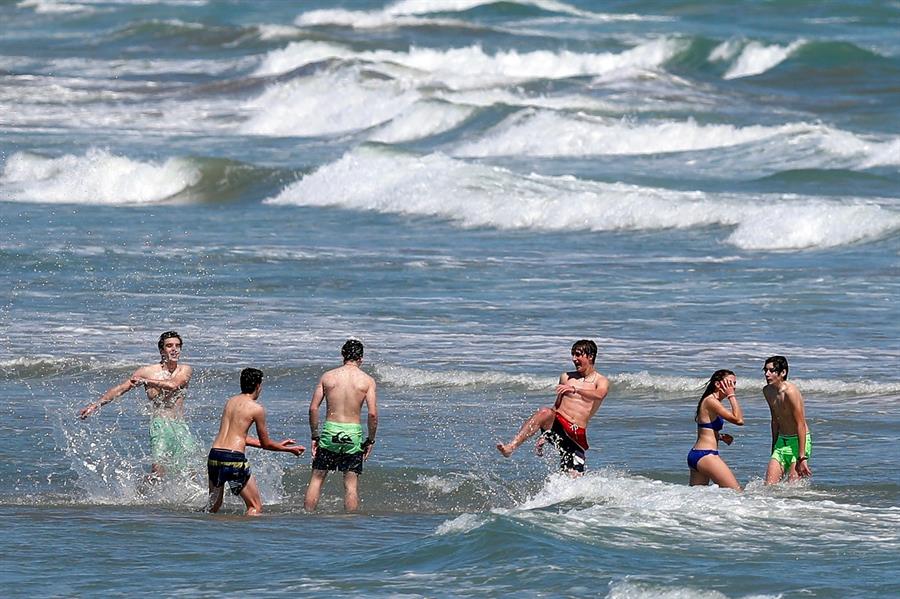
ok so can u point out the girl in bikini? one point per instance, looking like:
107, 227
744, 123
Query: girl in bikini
703, 459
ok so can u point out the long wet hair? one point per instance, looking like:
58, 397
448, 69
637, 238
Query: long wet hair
717, 376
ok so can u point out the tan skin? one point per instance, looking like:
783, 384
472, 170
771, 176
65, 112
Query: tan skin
578, 397
240, 413
344, 389
165, 383
788, 418
712, 467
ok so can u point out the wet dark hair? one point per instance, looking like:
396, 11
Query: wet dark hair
779, 363
587, 347
168, 335
250, 379
717, 376
352, 350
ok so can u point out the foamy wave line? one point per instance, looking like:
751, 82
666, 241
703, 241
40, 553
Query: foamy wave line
471, 66
414, 378
681, 386
98, 177
550, 133
409, 13
481, 196
753, 58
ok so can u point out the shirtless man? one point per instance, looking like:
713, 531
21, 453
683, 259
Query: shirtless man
226, 462
791, 440
578, 396
340, 445
171, 442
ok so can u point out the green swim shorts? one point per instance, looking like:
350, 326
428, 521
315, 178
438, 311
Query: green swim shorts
341, 437
787, 449
171, 442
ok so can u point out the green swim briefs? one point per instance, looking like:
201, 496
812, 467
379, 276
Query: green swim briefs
341, 437
787, 449
171, 442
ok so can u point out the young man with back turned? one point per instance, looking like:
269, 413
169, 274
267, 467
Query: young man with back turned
791, 439
227, 462
578, 396
340, 445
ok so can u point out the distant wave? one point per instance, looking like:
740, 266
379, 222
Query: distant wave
415, 86
752, 58
482, 196
410, 13
681, 386
100, 177
472, 67
34, 367
550, 133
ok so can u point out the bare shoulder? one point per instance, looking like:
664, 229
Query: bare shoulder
791, 391
146, 372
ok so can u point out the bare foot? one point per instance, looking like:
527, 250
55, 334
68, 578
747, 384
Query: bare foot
506, 450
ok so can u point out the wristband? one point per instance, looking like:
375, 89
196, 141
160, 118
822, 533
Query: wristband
801, 459
315, 438
367, 443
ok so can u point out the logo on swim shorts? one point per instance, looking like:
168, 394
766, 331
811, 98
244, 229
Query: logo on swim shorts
342, 439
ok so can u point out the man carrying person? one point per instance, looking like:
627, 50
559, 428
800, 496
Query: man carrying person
578, 396
791, 439
171, 442
226, 462
340, 445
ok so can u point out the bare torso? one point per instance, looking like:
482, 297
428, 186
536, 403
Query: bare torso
345, 391
237, 417
782, 409
165, 404
575, 407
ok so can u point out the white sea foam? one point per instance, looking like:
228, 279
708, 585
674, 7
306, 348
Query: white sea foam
406, 377
98, 177
624, 509
476, 195
402, 376
545, 133
420, 120
55, 6
645, 590
753, 58
411, 13
327, 104
462, 524
471, 67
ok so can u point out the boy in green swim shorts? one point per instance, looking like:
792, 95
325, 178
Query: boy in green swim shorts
791, 439
340, 445
171, 443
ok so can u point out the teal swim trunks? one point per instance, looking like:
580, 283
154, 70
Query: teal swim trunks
171, 442
787, 449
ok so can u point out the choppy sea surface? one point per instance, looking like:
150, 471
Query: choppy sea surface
468, 186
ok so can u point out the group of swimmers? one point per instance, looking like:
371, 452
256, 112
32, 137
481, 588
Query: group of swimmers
580, 393
345, 389
339, 446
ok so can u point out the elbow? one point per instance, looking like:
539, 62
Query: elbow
739, 421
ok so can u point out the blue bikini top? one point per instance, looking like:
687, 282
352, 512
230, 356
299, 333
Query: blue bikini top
715, 425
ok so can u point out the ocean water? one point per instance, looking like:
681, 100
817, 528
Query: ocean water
468, 186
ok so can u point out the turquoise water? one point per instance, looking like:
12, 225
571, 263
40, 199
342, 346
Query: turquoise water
469, 187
